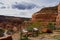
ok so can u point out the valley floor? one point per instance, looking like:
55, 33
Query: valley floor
52, 36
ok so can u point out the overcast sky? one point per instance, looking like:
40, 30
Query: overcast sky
24, 8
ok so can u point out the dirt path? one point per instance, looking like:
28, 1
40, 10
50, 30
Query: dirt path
16, 36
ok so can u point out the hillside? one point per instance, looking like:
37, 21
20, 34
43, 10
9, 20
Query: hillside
12, 19
47, 14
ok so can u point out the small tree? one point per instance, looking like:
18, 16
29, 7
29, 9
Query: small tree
36, 24
51, 26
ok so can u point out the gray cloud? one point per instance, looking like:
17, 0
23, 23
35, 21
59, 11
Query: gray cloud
23, 6
1, 3
3, 7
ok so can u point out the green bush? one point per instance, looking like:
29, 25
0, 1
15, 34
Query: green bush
1, 32
51, 26
30, 29
25, 38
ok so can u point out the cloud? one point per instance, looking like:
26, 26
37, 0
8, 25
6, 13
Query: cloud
23, 6
3, 7
1, 3
18, 13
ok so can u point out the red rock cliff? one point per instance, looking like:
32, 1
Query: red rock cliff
46, 14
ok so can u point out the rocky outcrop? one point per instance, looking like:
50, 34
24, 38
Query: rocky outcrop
47, 14
49, 10
6, 38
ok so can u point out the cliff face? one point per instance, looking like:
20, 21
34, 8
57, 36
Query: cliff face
46, 14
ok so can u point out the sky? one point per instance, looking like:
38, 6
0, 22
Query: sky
24, 8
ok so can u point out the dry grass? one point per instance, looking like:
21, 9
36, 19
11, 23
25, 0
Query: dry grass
53, 36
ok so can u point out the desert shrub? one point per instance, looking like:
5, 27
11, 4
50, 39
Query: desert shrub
51, 26
29, 29
1, 32
25, 38
9, 32
57, 37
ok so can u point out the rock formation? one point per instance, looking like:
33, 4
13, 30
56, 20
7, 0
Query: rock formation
45, 15
58, 17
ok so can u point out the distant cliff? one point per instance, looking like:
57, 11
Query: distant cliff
12, 19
